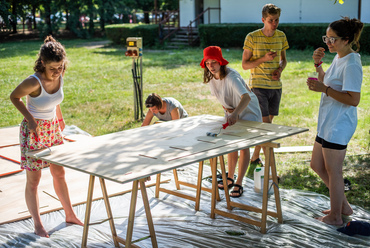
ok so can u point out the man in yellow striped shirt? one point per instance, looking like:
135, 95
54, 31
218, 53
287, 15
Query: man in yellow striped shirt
265, 55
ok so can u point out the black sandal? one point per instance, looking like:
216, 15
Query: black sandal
239, 191
221, 182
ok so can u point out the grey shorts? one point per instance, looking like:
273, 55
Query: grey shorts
269, 100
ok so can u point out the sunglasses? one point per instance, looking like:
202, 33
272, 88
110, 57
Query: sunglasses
330, 40
149, 105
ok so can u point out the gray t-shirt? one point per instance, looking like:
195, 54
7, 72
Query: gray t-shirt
171, 104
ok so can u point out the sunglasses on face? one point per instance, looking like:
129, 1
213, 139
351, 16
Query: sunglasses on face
330, 40
149, 105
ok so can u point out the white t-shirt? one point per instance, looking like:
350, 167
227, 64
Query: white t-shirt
337, 121
171, 103
228, 92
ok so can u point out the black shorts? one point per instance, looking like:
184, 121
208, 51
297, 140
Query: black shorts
326, 144
269, 100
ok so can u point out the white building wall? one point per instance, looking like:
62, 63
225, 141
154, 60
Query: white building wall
187, 12
293, 11
213, 14
365, 13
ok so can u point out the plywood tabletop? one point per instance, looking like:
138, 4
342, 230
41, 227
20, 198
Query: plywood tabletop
137, 153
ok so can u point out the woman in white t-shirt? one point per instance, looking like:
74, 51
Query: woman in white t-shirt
238, 102
341, 88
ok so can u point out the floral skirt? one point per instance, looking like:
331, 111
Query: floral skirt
50, 135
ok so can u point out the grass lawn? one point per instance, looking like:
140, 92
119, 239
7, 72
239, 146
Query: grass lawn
99, 99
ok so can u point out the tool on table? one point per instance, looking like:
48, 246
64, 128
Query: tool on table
215, 134
44, 152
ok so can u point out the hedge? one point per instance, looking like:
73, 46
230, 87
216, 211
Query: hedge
300, 36
119, 32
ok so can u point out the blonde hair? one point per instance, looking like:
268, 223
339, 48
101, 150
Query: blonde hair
270, 9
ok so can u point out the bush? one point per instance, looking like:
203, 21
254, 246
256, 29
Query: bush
300, 35
119, 32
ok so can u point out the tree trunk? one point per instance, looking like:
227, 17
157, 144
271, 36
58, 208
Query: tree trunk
14, 16
34, 16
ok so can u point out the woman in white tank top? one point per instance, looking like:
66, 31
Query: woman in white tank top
42, 125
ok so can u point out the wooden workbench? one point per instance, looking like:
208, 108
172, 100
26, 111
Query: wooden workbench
133, 155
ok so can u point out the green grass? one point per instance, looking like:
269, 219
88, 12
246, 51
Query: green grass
99, 99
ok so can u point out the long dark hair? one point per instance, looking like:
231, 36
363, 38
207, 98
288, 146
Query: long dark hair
207, 76
50, 51
348, 29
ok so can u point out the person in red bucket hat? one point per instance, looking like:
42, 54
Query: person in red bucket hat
239, 103
215, 53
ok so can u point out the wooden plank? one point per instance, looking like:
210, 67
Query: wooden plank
9, 136
237, 217
134, 154
15, 208
12, 153
8, 167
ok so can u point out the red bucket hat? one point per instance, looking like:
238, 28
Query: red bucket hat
213, 52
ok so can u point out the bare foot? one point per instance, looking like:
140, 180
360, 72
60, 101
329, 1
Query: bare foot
346, 210
74, 220
331, 220
40, 231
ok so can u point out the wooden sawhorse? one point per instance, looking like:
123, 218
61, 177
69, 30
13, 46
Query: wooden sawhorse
128, 242
269, 163
198, 186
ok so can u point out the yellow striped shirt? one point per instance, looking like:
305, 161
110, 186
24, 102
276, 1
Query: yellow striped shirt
259, 45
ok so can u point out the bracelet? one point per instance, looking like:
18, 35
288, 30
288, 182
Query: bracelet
61, 120
326, 92
318, 65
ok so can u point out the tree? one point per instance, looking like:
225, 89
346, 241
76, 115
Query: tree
4, 12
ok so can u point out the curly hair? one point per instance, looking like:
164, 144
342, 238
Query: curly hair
348, 29
50, 51
207, 76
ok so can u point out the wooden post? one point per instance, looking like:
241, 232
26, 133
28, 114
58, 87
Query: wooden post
109, 211
148, 213
131, 217
88, 210
199, 185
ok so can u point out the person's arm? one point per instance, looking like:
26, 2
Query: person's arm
148, 118
175, 114
234, 116
350, 98
25, 88
247, 63
282, 64
317, 56
62, 123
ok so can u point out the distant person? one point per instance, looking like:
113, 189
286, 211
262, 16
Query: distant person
340, 87
238, 102
165, 109
42, 126
265, 55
